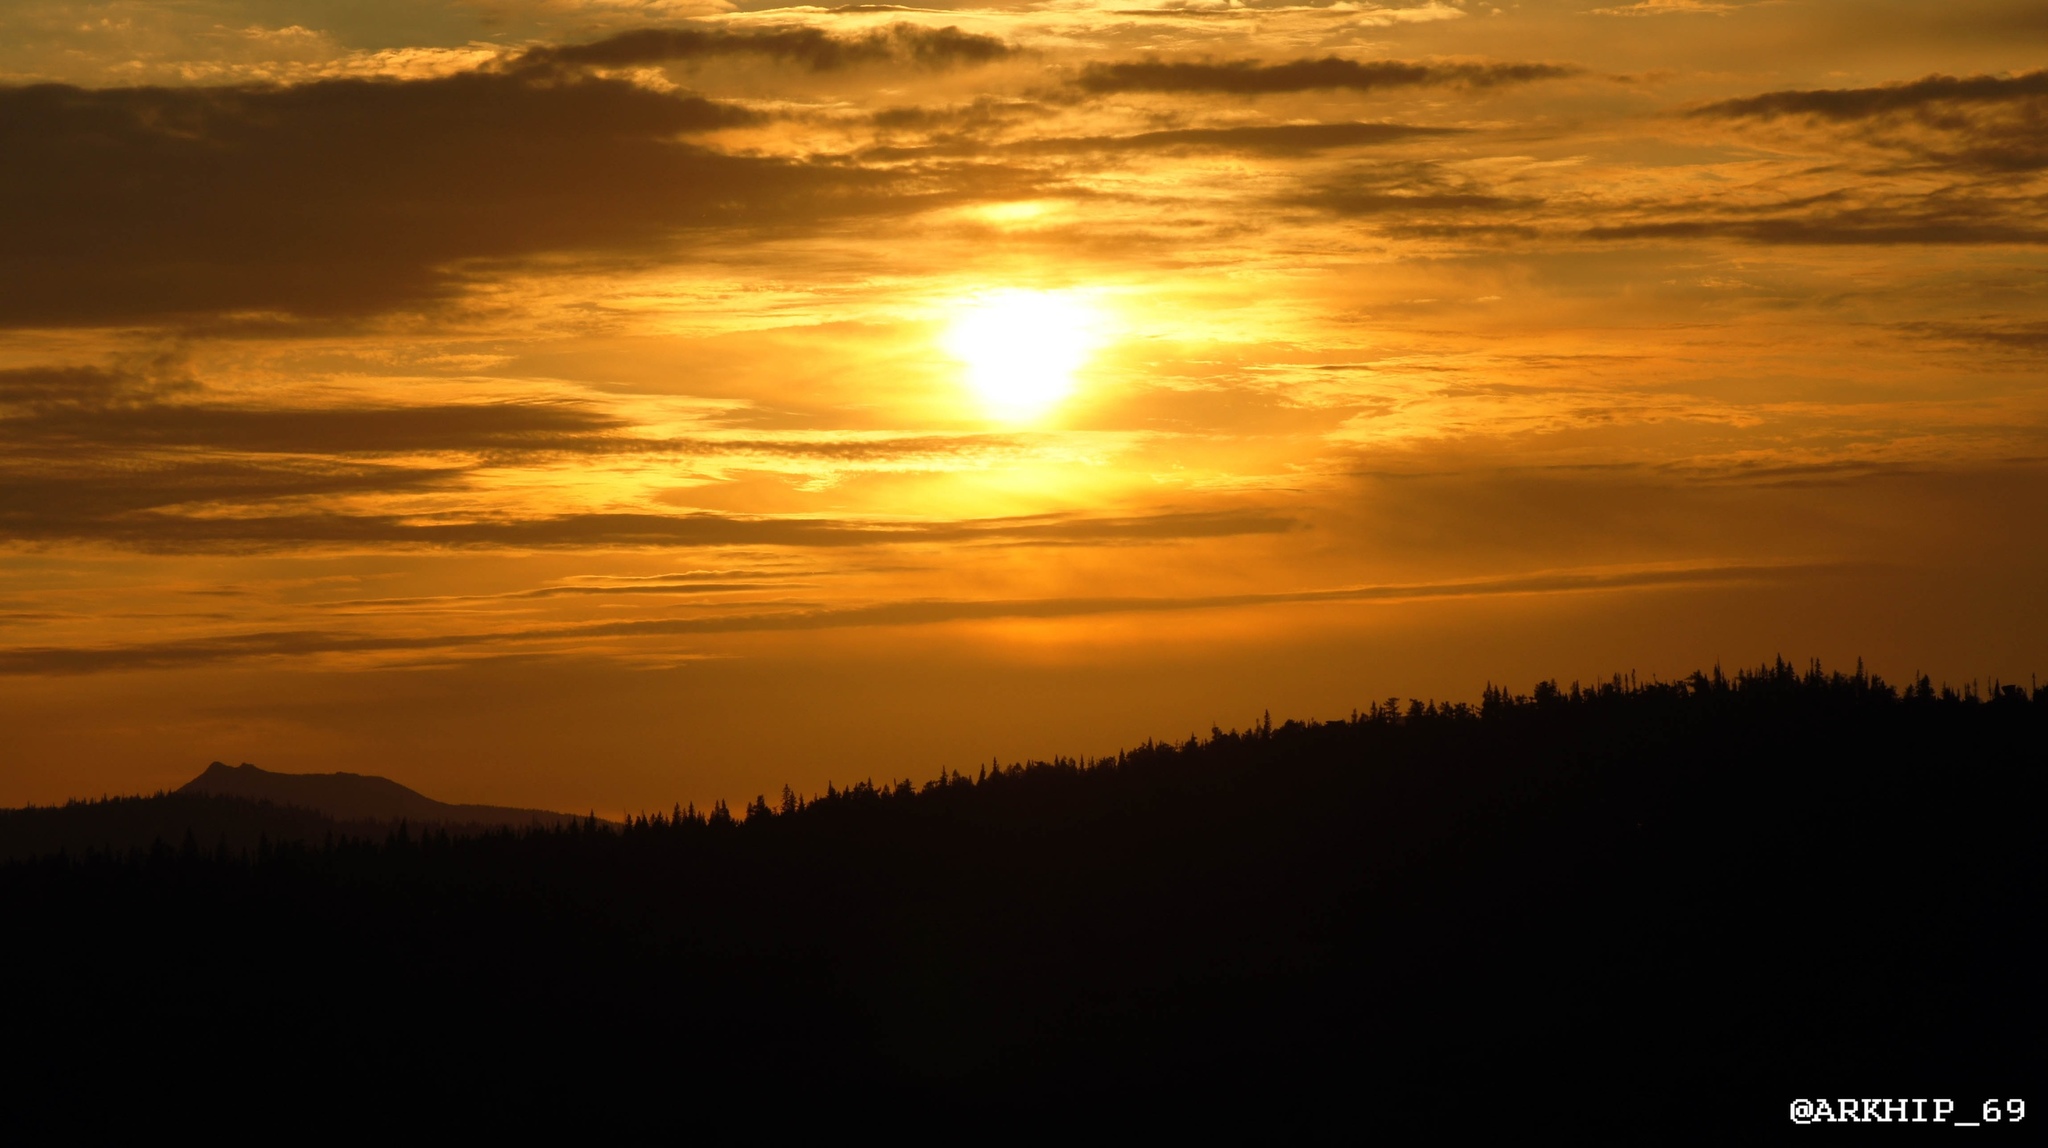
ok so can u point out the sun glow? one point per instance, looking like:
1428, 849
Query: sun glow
1021, 348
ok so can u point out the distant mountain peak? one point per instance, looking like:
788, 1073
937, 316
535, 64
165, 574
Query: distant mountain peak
355, 797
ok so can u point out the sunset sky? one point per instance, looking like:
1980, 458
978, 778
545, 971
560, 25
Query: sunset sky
606, 403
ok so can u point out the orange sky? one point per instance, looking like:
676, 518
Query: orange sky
603, 403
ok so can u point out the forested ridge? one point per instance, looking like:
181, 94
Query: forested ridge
1575, 907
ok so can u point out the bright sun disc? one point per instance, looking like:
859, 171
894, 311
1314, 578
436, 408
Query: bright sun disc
1021, 348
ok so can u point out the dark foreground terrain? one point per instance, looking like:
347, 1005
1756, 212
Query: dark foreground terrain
1665, 909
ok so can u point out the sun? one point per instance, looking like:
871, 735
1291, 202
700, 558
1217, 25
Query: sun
1021, 348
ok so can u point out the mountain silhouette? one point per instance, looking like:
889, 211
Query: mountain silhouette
357, 797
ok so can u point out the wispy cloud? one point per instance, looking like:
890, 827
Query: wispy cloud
1289, 139
1254, 77
511, 427
307, 643
1669, 8
808, 47
1909, 225
117, 510
2015, 335
1864, 103
1419, 188
1985, 125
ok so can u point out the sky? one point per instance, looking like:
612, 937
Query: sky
599, 404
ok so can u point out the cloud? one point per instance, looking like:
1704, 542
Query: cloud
1341, 201
1267, 139
983, 112
91, 447
1873, 227
839, 448
1864, 103
1352, 14
1995, 125
74, 412
1669, 8
132, 499
346, 198
127, 456
1938, 160
303, 643
639, 589
1253, 77
46, 497
1404, 188
2027, 338
1277, 139
46, 387
523, 427
692, 530
807, 47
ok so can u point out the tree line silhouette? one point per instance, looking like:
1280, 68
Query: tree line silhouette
1585, 906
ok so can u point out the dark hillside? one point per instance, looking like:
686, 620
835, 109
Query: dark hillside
118, 826
1666, 908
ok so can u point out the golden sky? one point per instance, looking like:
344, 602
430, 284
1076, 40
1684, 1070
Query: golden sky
603, 403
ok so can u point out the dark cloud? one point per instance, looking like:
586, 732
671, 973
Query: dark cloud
302, 643
689, 575
103, 454
1277, 139
522, 427
91, 447
1987, 124
1267, 139
1253, 77
2024, 337
1498, 232
985, 112
128, 381
47, 498
1865, 103
200, 651
351, 197
1786, 475
1877, 211
1343, 201
1284, 137
811, 48
1880, 228
841, 450
651, 587
688, 530
100, 413
1979, 136
1404, 189
144, 501
40, 386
